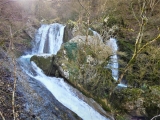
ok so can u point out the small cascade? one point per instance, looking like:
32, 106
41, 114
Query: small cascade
48, 41
96, 34
113, 64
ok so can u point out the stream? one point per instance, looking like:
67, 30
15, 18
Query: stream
48, 41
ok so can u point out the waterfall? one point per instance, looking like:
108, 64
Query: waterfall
48, 40
113, 64
96, 34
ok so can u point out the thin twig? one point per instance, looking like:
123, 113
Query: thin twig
15, 78
134, 14
14, 88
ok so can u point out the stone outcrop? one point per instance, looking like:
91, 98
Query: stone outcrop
83, 64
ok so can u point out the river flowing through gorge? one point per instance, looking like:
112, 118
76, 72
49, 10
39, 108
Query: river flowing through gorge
48, 41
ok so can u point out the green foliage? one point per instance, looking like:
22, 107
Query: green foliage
112, 21
150, 97
152, 103
71, 49
121, 117
71, 24
103, 104
129, 94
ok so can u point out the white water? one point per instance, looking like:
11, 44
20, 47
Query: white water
53, 34
49, 39
96, 34
113, 65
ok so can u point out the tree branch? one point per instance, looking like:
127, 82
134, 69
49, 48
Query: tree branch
134, 57
155, 117
14, 89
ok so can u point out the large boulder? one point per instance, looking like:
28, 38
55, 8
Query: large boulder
83, 63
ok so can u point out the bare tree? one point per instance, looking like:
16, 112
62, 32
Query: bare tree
138, 44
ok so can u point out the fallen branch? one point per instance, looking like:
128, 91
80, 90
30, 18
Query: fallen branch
155, 117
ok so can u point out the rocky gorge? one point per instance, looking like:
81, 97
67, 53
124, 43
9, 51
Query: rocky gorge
83, 61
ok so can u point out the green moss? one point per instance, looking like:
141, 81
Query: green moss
72, 50
42, 62
126, 46
152, 100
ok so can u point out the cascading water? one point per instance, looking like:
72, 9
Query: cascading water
96, 34
113, 65
48, 40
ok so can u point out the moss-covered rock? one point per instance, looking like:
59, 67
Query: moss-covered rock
152, 101
46, 64
83, 63
137, 102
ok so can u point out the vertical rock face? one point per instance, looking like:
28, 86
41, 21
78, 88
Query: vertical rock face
68, 33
